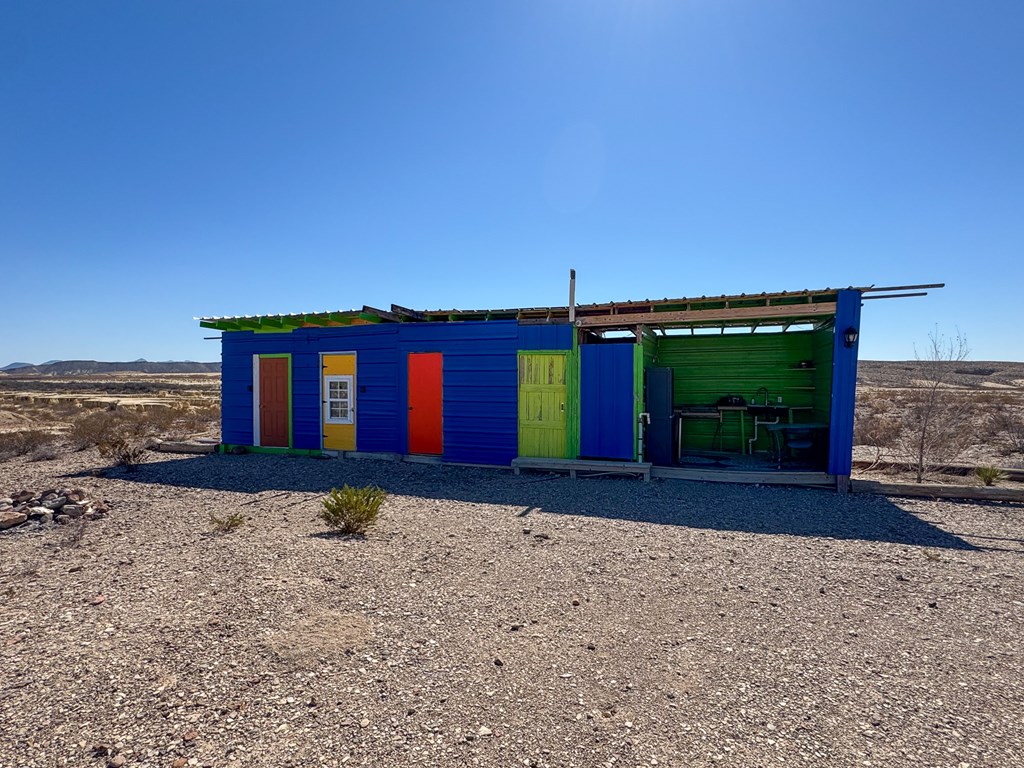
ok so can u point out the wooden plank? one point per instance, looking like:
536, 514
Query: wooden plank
389, 316
573, 466
810, 479
712, 315
938, 491
956, 470
411, 314
873, 289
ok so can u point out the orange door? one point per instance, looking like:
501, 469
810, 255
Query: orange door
274, 404
425, 382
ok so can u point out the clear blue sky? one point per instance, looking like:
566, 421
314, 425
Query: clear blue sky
161, 160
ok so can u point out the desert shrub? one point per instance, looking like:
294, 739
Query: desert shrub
23, 442
937, 420
990, 475
124, 451
228, 523
93, 428
99, 428
191, 419
1006, 427
876, 427
352, 510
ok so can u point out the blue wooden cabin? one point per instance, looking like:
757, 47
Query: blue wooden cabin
696, 387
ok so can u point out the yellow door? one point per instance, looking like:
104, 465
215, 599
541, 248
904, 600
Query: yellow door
338, 395
542, 422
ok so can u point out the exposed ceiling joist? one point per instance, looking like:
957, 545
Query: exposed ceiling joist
699, 316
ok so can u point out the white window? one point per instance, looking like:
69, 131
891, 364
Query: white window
338, 400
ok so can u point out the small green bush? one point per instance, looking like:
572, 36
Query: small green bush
990, 475
226, 524
352, 510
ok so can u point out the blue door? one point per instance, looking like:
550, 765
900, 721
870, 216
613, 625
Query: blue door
606, 401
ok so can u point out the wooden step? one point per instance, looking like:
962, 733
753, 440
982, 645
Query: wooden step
572, 466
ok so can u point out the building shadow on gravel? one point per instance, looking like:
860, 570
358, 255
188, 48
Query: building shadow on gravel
714, 506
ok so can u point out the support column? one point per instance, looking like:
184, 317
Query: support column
844, 389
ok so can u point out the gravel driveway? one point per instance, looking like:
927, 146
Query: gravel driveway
496, 620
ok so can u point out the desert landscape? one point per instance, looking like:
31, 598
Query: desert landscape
489, 619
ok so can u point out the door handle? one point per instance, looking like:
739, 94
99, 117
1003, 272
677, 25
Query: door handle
561, 407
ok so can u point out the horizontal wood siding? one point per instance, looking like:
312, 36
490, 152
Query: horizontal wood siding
480, 390
479, 413
707, 367
376, 421
545, 336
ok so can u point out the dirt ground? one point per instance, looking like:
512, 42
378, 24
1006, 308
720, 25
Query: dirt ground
496, 620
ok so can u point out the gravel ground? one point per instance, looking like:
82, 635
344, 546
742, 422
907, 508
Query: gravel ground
496, 620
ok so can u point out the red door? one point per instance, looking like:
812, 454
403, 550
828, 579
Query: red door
274, 401
425, 381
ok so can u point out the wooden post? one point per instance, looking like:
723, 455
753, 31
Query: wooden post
842, 483
572, 296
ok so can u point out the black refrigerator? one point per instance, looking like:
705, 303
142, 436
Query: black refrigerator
658, 448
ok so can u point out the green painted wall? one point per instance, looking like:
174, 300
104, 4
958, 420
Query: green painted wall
706, 367
572, 381
821, 346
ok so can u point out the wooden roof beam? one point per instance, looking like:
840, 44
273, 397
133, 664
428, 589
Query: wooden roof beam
712, 315
406, 313
382, 314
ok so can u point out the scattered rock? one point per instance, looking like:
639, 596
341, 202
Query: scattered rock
484, 731
11, 519
65, 504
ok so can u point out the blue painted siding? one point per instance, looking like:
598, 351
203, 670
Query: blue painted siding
844, 385
374, 346
480, 385
545, 336
606, 401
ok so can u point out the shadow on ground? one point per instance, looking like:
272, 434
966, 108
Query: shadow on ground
721, 507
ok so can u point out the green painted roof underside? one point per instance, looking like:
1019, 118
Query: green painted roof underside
649, 308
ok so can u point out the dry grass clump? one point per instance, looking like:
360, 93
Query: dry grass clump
990, 475
228, 523
352, 510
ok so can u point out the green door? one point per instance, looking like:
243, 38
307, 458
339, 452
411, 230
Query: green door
542, 422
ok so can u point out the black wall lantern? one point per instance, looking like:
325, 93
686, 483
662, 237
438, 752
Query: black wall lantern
850, 336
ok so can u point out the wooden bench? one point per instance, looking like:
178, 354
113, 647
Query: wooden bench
572, 466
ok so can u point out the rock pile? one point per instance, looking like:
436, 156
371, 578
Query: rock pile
61, 505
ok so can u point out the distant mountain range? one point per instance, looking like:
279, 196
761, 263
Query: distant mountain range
80, 367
